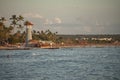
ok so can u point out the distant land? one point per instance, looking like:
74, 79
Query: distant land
98, 40
114, 36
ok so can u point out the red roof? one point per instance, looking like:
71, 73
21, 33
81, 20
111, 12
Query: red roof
28, 23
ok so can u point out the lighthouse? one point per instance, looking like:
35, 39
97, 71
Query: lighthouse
28, 32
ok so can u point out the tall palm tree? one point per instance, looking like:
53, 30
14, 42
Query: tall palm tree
20, 19
14, 21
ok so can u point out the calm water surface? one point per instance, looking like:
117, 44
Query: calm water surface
60, 64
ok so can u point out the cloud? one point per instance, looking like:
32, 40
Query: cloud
57, 20
33, 15
42, 20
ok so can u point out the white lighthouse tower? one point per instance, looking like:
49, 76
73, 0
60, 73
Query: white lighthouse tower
28, 32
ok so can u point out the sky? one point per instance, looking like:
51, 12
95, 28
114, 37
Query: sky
67, 16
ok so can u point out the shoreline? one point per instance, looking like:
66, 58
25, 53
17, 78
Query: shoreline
60, 46
91, 45
15, 48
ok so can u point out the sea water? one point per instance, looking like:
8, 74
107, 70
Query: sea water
61, 64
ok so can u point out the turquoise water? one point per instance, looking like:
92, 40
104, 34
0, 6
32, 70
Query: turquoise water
61, 64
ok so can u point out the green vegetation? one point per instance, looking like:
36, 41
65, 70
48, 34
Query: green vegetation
45, 35
14, 33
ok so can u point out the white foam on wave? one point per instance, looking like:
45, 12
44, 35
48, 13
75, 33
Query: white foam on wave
35, 54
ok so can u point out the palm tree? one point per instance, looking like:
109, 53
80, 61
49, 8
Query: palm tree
2, 20
14, 21
20, 19
34, 31
5, 34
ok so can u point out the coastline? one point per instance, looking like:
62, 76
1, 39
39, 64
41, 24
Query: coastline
15, 48
61, 46
89, 46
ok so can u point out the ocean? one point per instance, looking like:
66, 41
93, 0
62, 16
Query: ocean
61, 64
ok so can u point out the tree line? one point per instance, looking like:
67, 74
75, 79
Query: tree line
15, 31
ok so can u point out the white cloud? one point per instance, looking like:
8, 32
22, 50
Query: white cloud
57, 20
43, 20
38, 16
33, 15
